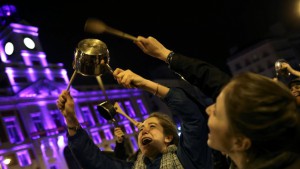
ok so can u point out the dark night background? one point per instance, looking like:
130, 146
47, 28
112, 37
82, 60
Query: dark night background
207, 30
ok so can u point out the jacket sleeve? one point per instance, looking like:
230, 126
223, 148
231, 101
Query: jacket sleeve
208, 78
90, 156
120, 151
193, 150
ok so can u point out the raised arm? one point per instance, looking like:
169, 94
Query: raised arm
193, 151
131, 80
79, 141
287, 66
208, 78
65, 104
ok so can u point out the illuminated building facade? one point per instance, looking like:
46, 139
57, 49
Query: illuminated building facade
33, 131
261, 57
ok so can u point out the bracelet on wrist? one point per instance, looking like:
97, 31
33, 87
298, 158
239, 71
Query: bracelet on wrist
169, 58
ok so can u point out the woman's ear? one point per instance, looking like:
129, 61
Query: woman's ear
168, 139
242, 143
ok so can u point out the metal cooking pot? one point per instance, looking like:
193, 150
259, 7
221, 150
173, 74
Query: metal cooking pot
279, 70
107, 110
91, 57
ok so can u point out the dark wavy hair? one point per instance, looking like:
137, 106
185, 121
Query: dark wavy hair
262, 110
168, 125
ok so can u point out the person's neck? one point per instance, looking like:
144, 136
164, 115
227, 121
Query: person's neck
154, 154
239, 159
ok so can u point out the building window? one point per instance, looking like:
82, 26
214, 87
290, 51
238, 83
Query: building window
247, 62
255, 57
128, 129
142, 107
36, 63
53, 167
108, 135
102, 135
57, 118
37, 121
59, 79
13, 129
87, 117
20, 79
260, 69
121, 117
130, 109
238, 66
270, 64
24, 158
265, 54
99, 117
96, 137
134, 143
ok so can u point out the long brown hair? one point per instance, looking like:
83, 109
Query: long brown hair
263, 110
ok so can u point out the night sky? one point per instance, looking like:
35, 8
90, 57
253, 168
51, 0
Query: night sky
207, 30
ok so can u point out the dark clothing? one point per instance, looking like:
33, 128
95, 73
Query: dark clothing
210, 81
153, 164
295, 147
120, 151
89, 154
208, 78
193, 151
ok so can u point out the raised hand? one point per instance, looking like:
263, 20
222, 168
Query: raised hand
65, 104
152, 47
128, 79
119, 134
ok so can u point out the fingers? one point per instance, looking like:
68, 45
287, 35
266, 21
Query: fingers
118, 132
125, 78
138, 125
142, 43
60, 103
117, 71
119, 76
283, 65
62, 99
141, 46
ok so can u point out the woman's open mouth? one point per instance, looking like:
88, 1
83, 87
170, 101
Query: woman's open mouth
146, 140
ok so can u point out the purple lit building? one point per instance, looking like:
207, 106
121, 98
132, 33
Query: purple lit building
32, 132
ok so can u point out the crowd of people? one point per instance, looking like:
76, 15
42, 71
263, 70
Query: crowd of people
252, 124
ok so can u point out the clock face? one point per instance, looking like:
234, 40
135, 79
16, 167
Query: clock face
9, 48
29, 43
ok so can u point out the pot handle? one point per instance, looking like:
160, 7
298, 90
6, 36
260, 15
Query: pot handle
71, 80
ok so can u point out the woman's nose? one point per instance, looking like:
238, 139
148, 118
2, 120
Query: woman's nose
209, 109
145, 130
